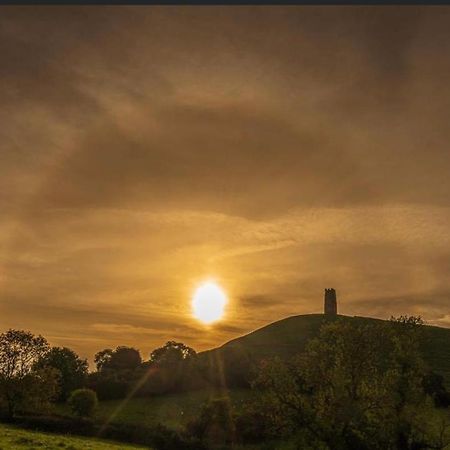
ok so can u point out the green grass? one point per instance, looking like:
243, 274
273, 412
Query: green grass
12, 438
173, 411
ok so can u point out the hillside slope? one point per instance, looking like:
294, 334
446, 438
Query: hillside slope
289, 336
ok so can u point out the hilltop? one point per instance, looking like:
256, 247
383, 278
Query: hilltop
289, 336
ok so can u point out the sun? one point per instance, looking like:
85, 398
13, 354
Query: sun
208, 302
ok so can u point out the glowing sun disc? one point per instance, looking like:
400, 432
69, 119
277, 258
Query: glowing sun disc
208, 302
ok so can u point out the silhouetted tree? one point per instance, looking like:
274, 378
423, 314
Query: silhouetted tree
73, 370
122, 358
22, 384
116, 372
102, 358
110, 384
171, 353
171, 368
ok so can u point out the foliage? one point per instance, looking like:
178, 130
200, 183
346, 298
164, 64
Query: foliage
171, 353
73, 370
251, 424
102, 358
357, 386
122, 358
83, 402
215, 423
109, 384
23, 386
171, 368
116, 372
433, 385
19, 351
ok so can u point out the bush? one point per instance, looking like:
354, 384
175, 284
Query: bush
251, 426
109, 384
433, 385
83, 402
214, 426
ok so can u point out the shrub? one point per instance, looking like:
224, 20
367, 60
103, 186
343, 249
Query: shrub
110, 385
433, 385
251, 426
83, 402
215, 423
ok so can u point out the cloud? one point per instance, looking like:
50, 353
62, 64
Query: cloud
278, 150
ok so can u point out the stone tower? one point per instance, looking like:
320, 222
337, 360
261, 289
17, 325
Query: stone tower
330, 302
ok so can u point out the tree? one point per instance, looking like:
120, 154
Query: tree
116, 372
171, 368
102, 358
171, 353
83, 402
22, 384
122, 358
73, 370
356, 386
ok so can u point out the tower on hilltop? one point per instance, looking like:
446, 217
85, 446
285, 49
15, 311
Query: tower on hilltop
330, 302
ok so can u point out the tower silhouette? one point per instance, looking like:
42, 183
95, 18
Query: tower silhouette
330, 302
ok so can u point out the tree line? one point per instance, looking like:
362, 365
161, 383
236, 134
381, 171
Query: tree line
33, 374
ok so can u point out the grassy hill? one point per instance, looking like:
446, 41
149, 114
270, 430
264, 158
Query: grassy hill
13, 438
283, 338
289, 336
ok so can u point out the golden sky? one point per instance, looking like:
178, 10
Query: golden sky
278, 150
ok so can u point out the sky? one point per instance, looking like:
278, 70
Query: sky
277, 150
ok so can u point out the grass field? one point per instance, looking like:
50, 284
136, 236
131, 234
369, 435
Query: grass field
173, 411
12, 438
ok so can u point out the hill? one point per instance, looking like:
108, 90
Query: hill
286, 337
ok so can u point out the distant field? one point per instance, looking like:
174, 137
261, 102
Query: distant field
12, 438
173, 411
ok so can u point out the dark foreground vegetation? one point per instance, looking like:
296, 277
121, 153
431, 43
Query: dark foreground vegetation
356, 384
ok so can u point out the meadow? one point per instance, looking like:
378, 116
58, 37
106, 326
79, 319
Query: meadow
12, 438
173, 411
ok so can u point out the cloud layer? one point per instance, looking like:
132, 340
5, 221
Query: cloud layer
280, 150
